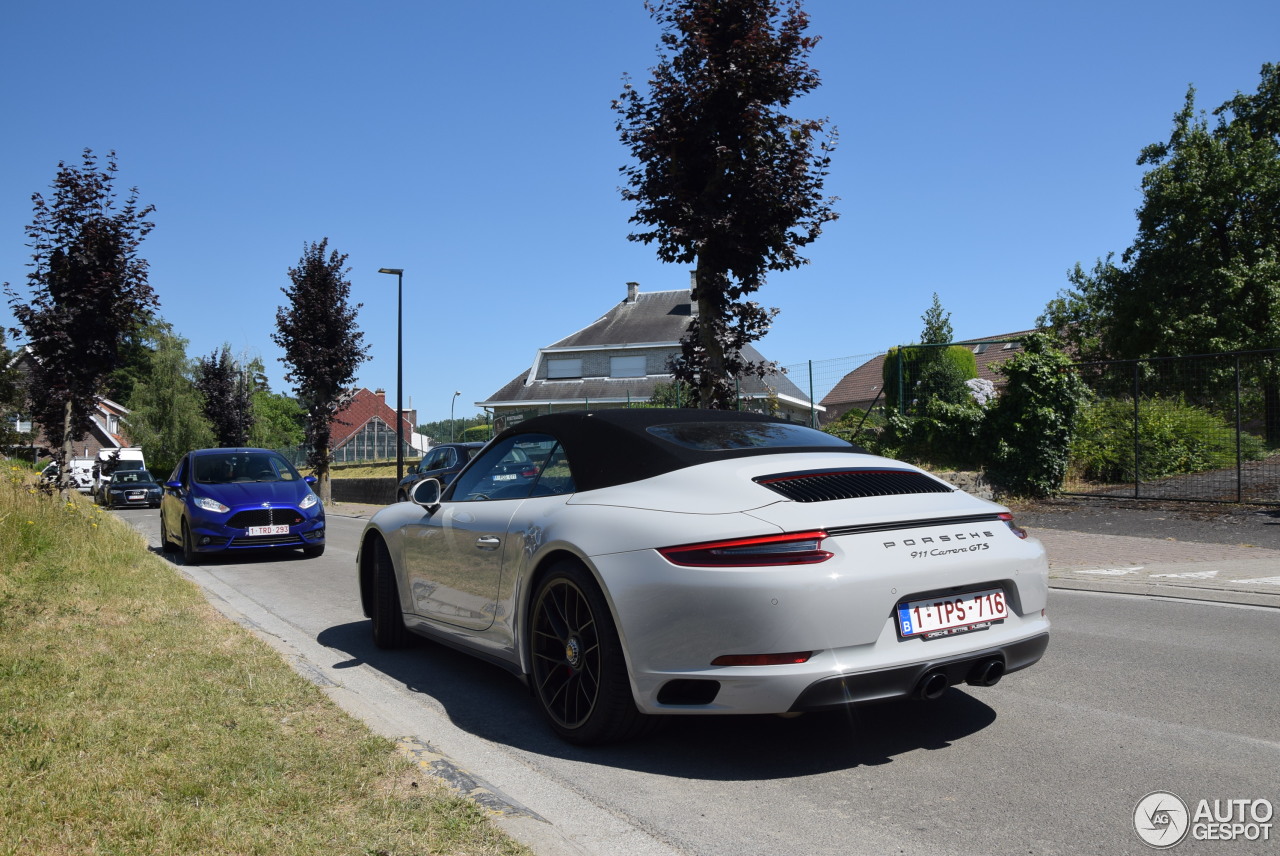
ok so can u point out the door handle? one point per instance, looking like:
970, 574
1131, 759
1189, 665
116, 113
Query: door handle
488, 543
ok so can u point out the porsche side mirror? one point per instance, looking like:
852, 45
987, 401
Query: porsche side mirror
427, 493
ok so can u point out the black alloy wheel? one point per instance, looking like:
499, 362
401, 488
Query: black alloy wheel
389, 631
579, 673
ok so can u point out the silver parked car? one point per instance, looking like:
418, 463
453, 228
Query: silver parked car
699, 562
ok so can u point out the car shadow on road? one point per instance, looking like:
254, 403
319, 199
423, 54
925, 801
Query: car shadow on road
489, 702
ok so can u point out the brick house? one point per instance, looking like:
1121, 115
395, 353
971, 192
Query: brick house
619, 359
107, 429
364, 428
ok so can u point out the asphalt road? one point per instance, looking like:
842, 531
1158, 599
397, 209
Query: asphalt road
1135, 695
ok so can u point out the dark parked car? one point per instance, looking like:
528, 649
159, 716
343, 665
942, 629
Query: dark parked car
441, 462
227, 500
130, 488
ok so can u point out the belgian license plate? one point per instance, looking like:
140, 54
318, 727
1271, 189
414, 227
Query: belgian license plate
136, 496
938, 617
507, 477
278, 529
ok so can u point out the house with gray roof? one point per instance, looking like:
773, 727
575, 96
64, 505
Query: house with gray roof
619, 360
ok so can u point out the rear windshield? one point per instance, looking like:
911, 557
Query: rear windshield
730, 436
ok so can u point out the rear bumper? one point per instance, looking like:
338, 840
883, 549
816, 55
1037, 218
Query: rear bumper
902, 681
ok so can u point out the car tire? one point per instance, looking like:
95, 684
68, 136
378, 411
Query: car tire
579, 673
314, 552
189, 555
389, 631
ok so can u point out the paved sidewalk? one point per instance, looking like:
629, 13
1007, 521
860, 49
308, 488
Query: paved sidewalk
1162, 568
1125, 564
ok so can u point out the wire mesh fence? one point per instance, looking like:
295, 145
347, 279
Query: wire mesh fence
1195, 428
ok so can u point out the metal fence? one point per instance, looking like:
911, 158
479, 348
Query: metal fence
1193, 428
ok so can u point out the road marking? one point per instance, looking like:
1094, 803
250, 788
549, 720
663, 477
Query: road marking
1269, 581
1197, 575
1110, 572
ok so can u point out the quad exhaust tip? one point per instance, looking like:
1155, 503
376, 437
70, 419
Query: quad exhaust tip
932, 685
986, 673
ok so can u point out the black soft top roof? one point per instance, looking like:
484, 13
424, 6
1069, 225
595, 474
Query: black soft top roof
615, 446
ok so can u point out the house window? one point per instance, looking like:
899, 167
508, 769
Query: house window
626, 366
563, 369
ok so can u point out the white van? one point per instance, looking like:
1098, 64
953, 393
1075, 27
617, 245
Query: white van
82, 474
110, 460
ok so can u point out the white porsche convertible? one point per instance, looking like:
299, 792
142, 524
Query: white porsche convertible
641, 562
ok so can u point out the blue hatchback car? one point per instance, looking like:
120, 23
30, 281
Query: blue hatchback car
226, 500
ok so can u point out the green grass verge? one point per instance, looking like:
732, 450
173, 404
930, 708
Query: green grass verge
135, 719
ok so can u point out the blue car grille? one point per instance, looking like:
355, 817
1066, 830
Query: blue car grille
826, 485
265, 517
266, 541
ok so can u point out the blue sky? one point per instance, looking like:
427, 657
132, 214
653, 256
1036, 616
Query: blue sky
985, 148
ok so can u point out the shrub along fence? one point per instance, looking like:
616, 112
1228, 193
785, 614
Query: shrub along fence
1196, 428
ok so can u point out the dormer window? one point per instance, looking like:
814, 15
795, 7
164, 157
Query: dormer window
562, 369
627, 366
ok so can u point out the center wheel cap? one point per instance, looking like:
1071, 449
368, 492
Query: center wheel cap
572, 651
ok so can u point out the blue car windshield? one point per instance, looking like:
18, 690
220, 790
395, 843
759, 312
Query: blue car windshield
241, 467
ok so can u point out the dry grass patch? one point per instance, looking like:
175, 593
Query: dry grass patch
136, 720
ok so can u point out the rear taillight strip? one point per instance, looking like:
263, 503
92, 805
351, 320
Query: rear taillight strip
794, 548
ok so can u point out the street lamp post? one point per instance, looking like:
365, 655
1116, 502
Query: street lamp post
451, 423
399, 272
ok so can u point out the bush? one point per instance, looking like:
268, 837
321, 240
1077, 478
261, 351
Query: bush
1031, 425
930, 373
1174, 438
943, 435
476, 433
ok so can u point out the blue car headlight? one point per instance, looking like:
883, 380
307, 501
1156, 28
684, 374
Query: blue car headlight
309, 500
210, 504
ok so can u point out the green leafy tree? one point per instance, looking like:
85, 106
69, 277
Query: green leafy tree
228, 397
136, 350
323, 346
166, 410
279, 422
723, 179
445, 430
932, 373
1031, 426
89, 292
1203, 272
673, 394
937, 324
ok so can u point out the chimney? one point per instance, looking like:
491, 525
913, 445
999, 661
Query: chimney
381, 393
633, 289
